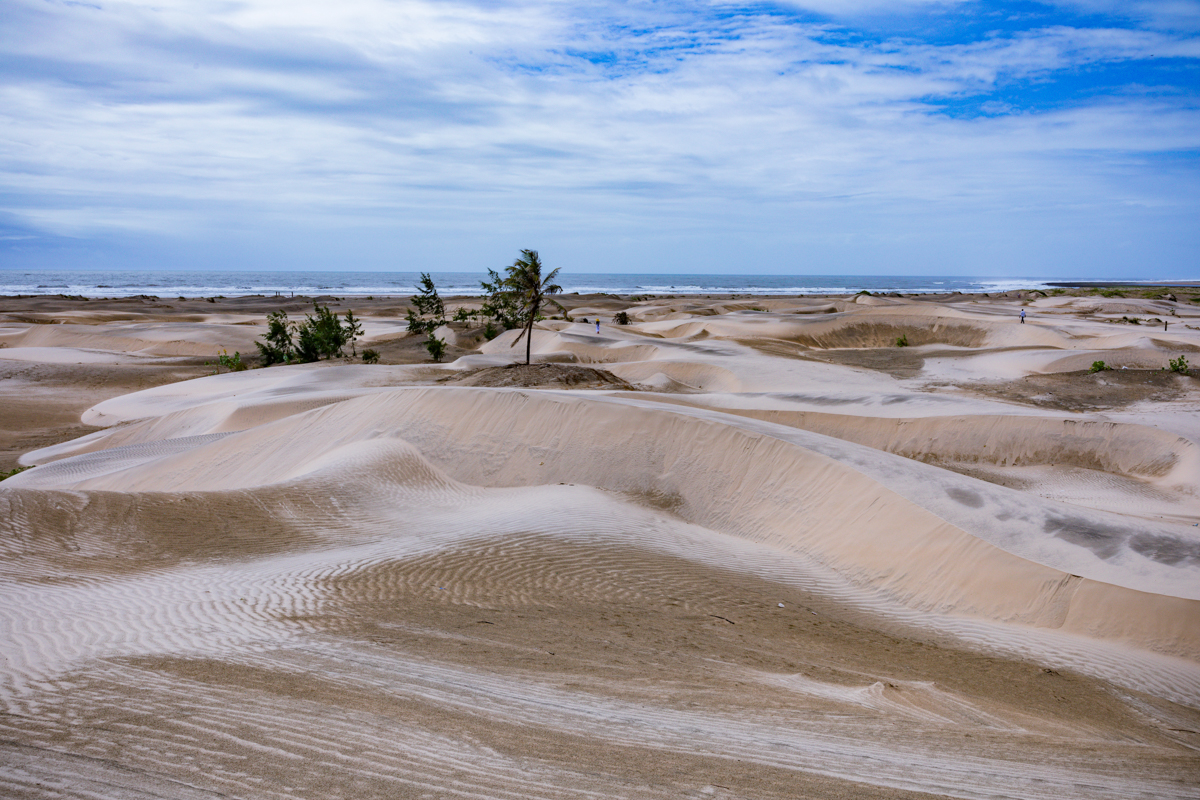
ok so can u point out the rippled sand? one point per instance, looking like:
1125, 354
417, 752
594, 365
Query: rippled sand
794, 560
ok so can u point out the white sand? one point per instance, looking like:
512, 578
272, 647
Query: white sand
746, 581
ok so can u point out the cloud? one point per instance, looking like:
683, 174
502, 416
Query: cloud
177, 119
1164, 14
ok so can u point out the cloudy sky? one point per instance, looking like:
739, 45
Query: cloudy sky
924, 137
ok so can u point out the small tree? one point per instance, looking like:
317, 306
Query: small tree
278, 348
529, 290
436, 347
354, 329
500, 304
320, 336
428, 311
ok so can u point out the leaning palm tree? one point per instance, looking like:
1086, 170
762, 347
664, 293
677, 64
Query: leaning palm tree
529, 289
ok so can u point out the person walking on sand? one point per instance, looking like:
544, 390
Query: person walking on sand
1022, 316
597, 326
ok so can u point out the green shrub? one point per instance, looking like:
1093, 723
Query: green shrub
429, 311
370, 356
233, 363
320, 336
1099, 366
622, 318
353, 328
278, 348
436, 347
500, 303
1179, 365
491, 331
11, 472
902, 341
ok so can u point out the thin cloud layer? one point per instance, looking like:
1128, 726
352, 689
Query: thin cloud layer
945, 137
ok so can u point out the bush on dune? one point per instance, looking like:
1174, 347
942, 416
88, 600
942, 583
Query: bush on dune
322, 334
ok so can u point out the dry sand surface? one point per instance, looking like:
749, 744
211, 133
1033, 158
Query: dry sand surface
739, 548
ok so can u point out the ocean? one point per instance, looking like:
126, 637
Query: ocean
183, 283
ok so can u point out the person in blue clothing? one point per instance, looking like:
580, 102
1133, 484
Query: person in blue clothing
597, 326
1022, 317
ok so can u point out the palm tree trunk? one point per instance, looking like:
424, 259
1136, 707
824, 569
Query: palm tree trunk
529, 332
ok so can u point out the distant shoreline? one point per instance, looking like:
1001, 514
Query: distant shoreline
1122, 284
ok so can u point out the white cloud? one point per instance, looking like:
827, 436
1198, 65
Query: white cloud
179, 117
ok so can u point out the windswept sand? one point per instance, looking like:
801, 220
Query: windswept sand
740, 548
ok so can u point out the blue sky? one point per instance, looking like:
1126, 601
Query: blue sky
810, 136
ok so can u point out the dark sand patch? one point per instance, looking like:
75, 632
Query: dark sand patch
41, 404
1087, 391
556, 376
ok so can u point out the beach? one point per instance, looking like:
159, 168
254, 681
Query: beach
864, 545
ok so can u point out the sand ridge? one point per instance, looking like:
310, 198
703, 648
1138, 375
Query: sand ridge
740, 580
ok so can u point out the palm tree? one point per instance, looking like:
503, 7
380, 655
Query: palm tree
527, 286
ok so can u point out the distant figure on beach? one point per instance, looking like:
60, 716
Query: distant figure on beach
1022, 316
597, 326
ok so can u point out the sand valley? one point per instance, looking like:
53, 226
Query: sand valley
742, 547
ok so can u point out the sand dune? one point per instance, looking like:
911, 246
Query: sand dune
775, 570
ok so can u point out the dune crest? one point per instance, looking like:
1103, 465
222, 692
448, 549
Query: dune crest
740, 547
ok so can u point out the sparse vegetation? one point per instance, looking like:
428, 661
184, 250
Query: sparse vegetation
11, 472
902, 340
499, 304
370, 356
233, 363
1179, 365
277, 348
436, 347
320, 336
428, 312
621, 318
527, 290
1099, 366
354, 329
